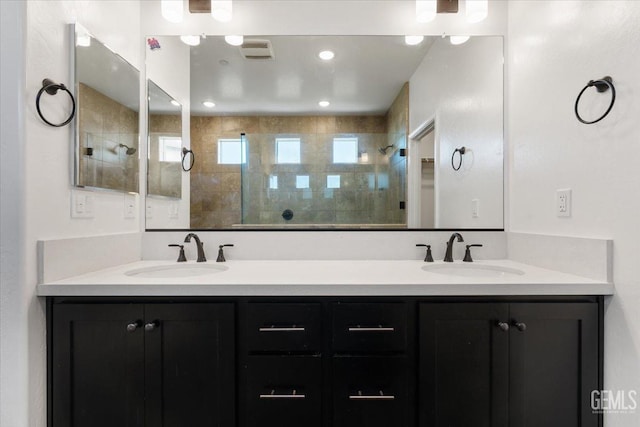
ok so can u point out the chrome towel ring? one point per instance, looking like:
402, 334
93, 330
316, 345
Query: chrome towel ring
602, 85
52, 88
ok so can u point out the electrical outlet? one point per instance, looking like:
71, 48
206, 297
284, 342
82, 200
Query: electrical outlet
475, 208
173, 210
563, 202
149, 210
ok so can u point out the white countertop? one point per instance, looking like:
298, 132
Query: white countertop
326, 278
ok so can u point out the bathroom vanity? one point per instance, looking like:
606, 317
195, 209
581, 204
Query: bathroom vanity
324, 344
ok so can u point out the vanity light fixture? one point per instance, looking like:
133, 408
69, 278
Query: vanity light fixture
209, 104
457, 40
413, 40
476, 10
190, 40
324, 104
222, 11
172, 10
234, 40
326, 55
426, 10
175, 103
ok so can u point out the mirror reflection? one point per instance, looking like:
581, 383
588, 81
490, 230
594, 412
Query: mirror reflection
108, 95
285, 138
165, 143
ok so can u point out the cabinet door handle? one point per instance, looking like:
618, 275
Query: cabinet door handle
273, 395
378, 329
283, 329
380, 396
503, 326
151, 326
520, 325
131, 327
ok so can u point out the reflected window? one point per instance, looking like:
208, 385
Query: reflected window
231, 152
345, 150
333, 181
288, 150
273, 182
170, 149
302, 181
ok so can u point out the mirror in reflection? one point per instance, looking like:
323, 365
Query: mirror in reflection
164, 174
284, 138
106, 134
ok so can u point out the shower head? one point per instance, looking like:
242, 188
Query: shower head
130, 150
383, 150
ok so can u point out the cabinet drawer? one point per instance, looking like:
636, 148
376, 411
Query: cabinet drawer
283, 391
366, 328
370, 391
284, 327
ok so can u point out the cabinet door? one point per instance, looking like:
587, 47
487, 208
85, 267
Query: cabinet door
463, 365
553, 364
190, 369
97, 365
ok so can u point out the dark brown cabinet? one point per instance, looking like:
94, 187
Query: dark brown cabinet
142, 365
500, 364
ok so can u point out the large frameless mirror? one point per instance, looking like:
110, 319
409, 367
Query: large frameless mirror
107, 90
285, 137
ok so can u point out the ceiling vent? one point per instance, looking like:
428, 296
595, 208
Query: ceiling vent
257, 49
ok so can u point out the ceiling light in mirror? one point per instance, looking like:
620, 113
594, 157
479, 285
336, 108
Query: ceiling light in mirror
172, 10
476, 10
413, 40
222, 11
234, 40
326, 55
324, 104
456, 40
190, 40
209, 104
175, 103
426, 10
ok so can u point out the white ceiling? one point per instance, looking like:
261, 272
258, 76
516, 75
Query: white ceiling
364, 77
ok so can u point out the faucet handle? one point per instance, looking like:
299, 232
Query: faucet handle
428, 257
181, 256
221, 252
467, 253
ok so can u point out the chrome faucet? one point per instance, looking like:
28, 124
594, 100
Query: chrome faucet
201, 257
448, 256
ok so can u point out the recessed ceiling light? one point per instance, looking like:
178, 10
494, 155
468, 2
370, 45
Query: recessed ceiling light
174, 102
234, 40
456, 40
326, 55
209, 104
324, 104
190, 40
413, 40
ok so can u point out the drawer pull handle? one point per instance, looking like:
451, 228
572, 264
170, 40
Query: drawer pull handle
273, 395
380, 396
293, 328
378, 329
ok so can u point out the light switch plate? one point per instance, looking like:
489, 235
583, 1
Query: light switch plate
129, 206
475, 208
563, 202
81, 204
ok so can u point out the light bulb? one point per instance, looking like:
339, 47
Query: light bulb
426, 10
209, 104
190, 40
413, 40
476, 10
326, 55
324, 104
175, 103
172, 10
234, 40
456, 40
222, 11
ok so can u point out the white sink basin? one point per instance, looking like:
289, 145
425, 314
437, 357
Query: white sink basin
472, 270
177, 270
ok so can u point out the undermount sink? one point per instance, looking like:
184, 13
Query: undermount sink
472, 270
176, 270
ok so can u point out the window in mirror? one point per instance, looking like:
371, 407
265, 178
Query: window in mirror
288, 151
231, 152
302, 181
345, 150
170, 149
333, 181
273, 182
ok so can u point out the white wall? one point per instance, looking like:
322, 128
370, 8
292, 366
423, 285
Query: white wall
554, 49
462, 87
169, 67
